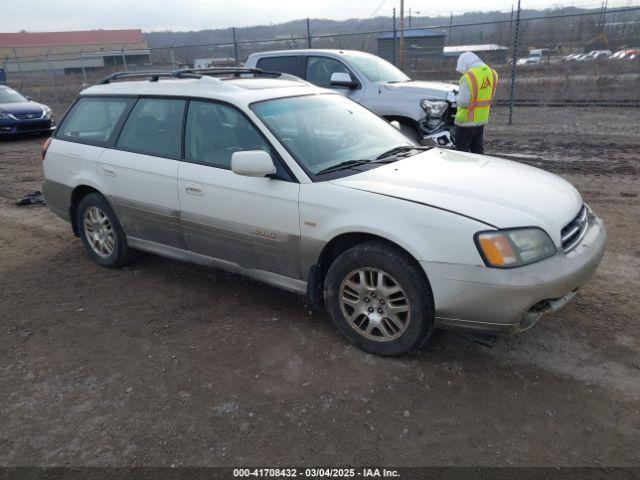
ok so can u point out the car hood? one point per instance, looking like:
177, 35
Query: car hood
436, 90
22, 107
497, 192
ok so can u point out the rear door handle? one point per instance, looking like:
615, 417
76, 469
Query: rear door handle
108, 170
193, 189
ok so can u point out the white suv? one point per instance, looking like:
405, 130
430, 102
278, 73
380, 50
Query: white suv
424, 109
300, 187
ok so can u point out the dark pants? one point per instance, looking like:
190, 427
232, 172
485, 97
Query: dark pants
469, 139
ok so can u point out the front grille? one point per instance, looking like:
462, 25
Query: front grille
28, 116
573, 232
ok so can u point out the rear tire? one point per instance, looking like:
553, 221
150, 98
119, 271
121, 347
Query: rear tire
379, 299
101, 232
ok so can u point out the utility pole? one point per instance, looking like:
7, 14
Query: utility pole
514, 59
235, 45
603, 16
394, 39
409, 17
450, 27
401, 35
308, 34
511, 24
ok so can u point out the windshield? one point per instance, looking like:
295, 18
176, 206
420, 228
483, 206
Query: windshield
8, 95
376, 69
322, 131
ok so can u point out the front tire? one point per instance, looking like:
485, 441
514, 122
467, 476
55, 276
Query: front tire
101, 232
379, 299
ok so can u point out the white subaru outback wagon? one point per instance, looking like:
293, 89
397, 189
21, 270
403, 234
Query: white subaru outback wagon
269, 176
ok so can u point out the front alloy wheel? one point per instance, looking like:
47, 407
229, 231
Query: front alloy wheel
379, 298
374, 304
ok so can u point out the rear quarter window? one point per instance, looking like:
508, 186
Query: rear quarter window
93, 120
288, 64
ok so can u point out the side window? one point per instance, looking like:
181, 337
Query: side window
288, 64
154, 127
320, 69
93, 119
215, 131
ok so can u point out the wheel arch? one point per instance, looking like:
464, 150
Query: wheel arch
334, 248
402, 119
78, 193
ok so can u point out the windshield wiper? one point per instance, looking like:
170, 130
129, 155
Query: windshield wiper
400, 149
343, 166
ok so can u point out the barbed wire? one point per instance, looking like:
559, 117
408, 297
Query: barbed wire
329, 36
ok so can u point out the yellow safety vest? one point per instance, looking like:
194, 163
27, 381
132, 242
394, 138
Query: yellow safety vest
482, 81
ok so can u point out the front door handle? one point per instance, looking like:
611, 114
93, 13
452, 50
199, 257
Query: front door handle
193, 189
108, 170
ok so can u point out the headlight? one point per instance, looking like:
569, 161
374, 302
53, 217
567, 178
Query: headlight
515, 247
434, 108
47, 113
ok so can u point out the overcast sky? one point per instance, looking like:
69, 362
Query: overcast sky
56, 15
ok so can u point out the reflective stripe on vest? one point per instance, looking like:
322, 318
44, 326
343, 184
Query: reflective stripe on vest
479, 80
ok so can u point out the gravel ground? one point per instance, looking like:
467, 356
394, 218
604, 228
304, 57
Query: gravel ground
165, 363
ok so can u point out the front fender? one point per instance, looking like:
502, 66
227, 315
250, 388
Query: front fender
426, 233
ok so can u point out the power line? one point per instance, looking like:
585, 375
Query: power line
370, 16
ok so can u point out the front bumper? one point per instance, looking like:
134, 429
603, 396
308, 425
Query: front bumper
478, 299
14, 127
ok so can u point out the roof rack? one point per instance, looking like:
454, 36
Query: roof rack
154, 76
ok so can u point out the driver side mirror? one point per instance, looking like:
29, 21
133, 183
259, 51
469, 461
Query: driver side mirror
28, 98
396, 124
252, 163
342, 79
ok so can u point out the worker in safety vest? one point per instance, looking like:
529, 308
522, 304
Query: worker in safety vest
477, 90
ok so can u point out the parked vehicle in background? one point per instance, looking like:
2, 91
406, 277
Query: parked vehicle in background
618, 55
596, 55
425, 110
301, 187
535, 56
527, 61
632, 55
20, 114
573, 57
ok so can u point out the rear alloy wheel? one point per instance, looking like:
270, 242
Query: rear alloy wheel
379, 299
101, 233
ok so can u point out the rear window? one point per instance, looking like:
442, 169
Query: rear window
93, 120
154, 127
288, 64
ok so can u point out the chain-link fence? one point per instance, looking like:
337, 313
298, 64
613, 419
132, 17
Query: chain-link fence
542, 58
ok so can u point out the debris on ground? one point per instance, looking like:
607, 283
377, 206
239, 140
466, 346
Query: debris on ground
33, 198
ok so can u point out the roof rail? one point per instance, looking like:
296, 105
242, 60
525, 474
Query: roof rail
154, 76
235, 71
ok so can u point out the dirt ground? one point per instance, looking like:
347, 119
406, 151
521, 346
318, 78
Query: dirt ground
165, 363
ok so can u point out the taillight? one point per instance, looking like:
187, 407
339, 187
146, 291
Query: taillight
45, 147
